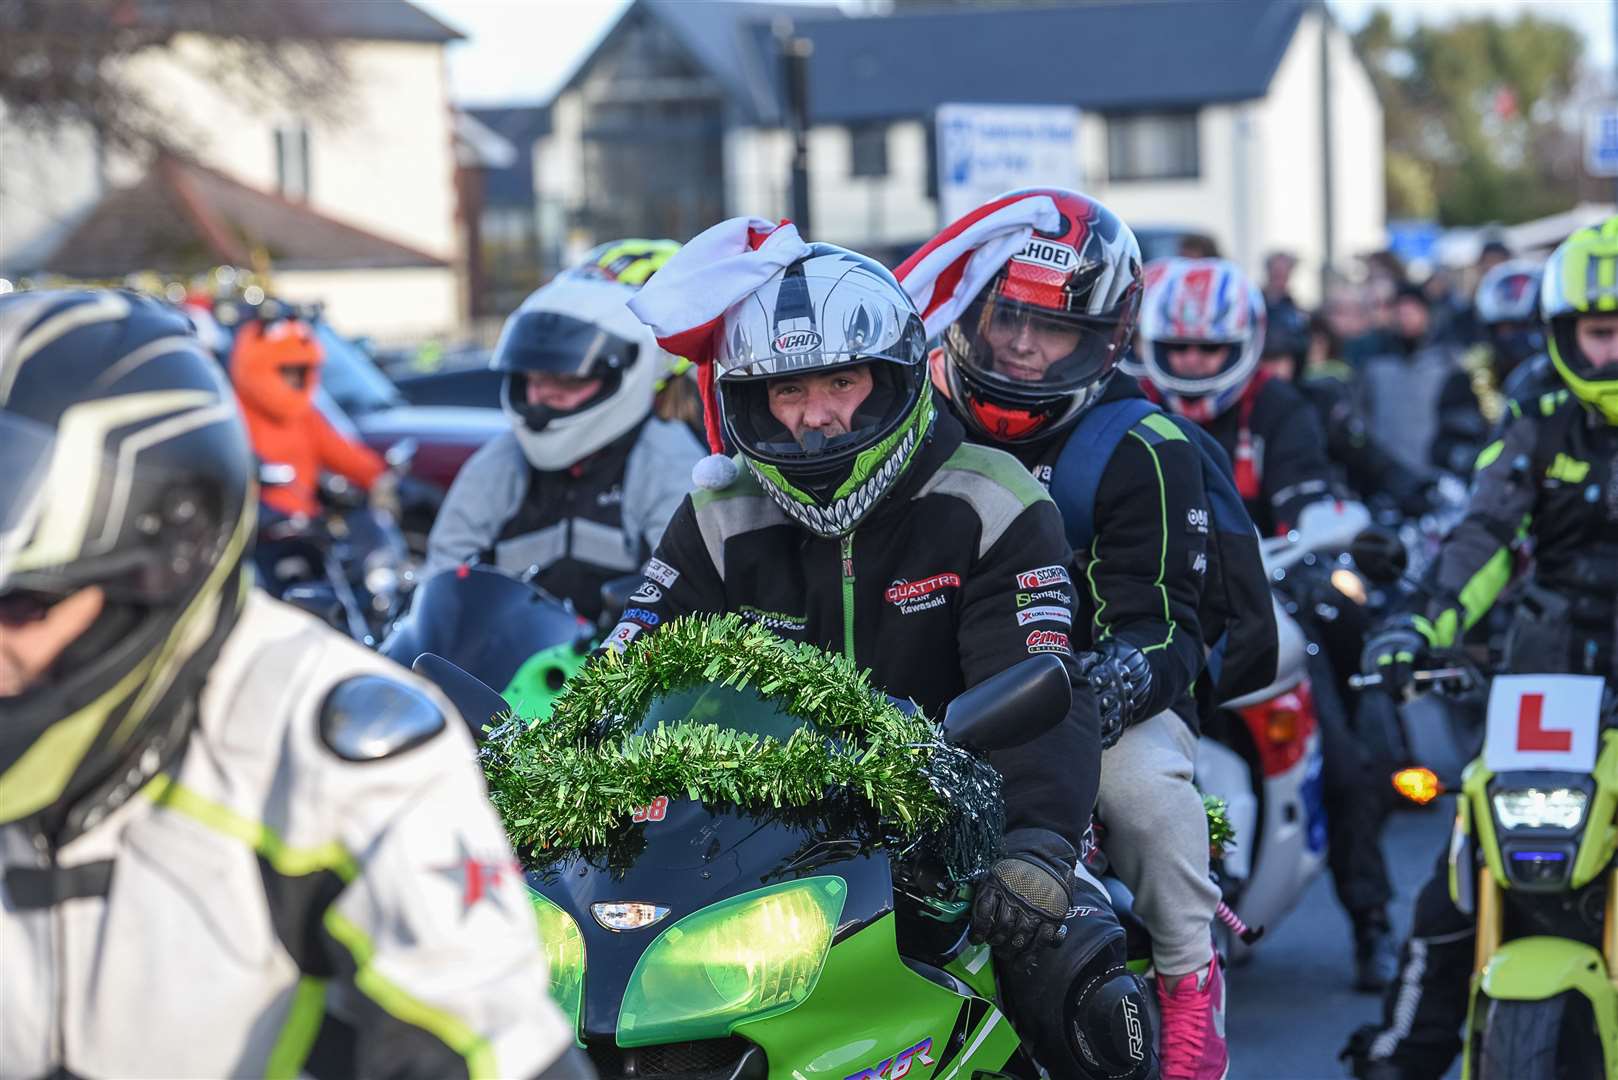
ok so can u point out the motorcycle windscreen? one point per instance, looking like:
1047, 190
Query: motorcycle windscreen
485, 623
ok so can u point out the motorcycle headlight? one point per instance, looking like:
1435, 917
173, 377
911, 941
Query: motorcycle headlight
564, 955
1537, 808
750, 956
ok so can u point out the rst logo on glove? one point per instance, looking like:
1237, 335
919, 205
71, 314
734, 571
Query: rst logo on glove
1048, 641
1045, 575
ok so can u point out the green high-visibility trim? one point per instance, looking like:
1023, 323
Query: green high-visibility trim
452, 1031
1165, 428
1480, 593
297, 1036
1403, 657
1491, 453
1163, 522
1000, 467
1567, 469
165, 792
847, 548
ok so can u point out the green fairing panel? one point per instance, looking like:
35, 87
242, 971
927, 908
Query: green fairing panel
869, 1007
1600, 840
529, 692
1539, 968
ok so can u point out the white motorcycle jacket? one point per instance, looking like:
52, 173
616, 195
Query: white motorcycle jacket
317, 885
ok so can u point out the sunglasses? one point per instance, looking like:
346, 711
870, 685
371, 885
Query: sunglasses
1203, 347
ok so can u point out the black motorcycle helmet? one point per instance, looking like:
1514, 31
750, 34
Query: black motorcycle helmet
127, 467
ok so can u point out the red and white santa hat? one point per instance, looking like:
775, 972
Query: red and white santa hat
685, 302
949, 271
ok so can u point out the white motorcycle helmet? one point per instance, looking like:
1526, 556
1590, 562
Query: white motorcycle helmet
577, 326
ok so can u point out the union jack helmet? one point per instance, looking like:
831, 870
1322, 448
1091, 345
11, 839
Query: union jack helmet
1509, 293
1207, 304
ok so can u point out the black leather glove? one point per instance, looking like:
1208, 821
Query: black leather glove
1121, 679
1023, 900
1391, 652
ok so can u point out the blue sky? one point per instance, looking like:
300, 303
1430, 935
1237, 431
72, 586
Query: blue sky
521, 50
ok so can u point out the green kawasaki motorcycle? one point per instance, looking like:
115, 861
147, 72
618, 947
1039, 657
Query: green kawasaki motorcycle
1532, 860
799, 930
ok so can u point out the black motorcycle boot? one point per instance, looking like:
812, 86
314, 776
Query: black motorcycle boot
1376, 954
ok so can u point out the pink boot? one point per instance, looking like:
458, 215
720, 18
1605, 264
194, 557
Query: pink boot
1193, 1037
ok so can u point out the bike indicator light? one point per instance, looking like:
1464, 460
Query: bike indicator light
564, 955
1349, 584
628, 916
1536, 808
1420, 784
743, 958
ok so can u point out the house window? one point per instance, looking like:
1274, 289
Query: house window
292, 162
868, 149
1152, 146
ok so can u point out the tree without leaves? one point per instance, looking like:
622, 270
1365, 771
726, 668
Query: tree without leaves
67, 62
1474, 115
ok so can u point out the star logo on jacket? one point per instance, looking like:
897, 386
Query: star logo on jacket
479, 879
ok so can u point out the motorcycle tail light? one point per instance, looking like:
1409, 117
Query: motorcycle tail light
1281, 728
1420, 784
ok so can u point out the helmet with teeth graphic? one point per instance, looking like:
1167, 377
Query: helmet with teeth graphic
834, 311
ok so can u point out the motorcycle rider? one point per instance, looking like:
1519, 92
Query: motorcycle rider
234, 843
580, 490
1402, 372
275, 365
1029, 343
856, 517
1201, 339
1510, 364
1358, 460
1551, 472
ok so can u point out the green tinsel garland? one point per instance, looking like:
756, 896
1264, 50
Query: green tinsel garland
569, 785
1221, 832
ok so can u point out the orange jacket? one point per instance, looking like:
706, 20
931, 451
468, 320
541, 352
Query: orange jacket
282, 420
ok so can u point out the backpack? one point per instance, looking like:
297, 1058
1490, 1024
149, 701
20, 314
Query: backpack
1236, 612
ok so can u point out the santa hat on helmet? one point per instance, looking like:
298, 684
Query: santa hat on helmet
687, 299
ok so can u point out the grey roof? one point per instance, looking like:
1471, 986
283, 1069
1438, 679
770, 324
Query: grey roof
377, 20
1106, 56
522, 126
722, 38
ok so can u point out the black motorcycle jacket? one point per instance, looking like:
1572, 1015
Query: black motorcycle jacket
1278, 451
1142, 578
579, 527
959, 573
1553, 476
1362, 463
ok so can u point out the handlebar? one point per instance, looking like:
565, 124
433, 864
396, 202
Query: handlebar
1460, 675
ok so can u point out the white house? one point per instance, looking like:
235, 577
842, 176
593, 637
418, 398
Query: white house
358, 210
1211, 118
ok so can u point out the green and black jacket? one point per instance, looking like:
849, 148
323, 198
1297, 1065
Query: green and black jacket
959, 573
1142, 579
1552, 479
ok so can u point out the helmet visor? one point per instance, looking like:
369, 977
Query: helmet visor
1194, 364
557, 344
1017, 347
26, 452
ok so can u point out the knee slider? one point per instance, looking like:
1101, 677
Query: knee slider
1108, 1022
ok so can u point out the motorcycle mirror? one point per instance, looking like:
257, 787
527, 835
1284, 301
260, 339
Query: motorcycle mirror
401, 453
276, 473
615, 597
1379, 555
472, 697
1011, 708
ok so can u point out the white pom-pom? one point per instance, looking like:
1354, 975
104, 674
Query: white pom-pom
714, 472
